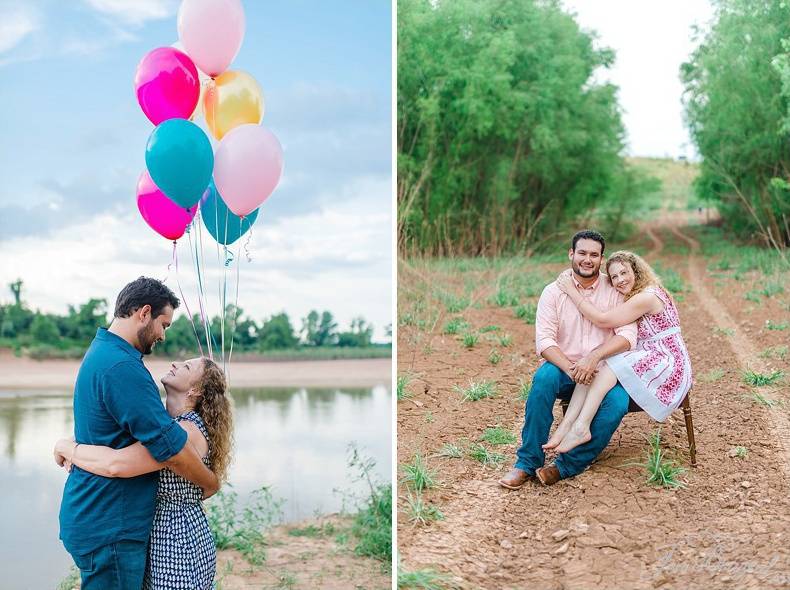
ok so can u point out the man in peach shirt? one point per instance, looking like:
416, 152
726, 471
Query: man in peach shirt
572, 347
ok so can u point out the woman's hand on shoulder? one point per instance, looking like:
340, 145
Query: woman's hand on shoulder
565, 282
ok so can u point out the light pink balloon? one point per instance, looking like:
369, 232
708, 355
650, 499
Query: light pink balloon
211, 31
163, 216
248, 164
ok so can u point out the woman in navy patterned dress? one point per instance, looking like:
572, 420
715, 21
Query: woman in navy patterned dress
181, 551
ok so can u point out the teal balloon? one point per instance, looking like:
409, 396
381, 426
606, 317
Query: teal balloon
223, 224
180, 160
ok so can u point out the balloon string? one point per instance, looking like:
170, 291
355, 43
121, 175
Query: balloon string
235, 310
247, 245
196, 262
224, 306
202, 281
186, 305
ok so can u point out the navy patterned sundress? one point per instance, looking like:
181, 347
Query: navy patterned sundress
181, 551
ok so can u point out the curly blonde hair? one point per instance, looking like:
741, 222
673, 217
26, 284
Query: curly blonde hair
644, 275
216, 410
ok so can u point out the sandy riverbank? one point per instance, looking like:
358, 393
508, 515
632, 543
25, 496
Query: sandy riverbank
29, 374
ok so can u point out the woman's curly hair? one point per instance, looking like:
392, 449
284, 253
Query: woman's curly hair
216, 410
644, 275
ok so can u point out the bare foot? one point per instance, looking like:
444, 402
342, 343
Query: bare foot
577, 435
555, 438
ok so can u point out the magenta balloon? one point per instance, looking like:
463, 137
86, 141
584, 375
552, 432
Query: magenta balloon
167, 85
211, 31
247, 167
164, 216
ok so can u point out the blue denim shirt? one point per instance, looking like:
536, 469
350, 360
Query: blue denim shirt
116, 403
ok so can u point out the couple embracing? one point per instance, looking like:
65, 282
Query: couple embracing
131, 515
604, 338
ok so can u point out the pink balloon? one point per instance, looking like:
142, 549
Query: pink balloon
248, 164
164, 216
211, 31
167, 85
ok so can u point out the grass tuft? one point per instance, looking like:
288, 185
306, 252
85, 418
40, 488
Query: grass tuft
477, 390
420, 511
470, 339
761, 379
485, 456
451, 450
498, 436
402, 384
418, 475
661, 471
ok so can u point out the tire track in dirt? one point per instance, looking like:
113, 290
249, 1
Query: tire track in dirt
740, 344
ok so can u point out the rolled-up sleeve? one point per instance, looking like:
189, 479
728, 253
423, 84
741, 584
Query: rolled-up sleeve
132, 399
628, 332
547, 321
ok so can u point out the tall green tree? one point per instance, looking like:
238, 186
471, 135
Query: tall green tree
319, 330
277, 333
737, 94
360, 334
503, 131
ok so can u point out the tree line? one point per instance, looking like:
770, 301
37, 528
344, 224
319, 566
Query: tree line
503, 133
737, 107
48, 334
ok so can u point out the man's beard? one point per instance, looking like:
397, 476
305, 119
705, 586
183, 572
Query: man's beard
146, 338
586, 274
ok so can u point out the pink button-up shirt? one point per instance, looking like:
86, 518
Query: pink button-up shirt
560, 323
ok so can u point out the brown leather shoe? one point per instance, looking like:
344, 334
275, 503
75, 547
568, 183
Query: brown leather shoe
514, 479
548, 475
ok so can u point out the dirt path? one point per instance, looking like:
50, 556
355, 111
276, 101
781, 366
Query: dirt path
730, 527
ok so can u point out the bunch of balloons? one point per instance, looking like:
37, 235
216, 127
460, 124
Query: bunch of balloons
184, 173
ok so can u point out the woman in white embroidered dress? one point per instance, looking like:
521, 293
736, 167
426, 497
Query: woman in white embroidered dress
656, 373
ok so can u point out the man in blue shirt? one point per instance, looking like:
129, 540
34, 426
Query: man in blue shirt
104, 522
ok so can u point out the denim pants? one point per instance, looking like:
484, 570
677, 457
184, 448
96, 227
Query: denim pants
549, 383
117, 566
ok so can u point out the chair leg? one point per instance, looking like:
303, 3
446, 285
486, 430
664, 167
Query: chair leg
690, 430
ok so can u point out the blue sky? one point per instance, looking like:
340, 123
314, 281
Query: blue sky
74, 138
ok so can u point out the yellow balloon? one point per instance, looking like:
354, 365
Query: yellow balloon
234, 99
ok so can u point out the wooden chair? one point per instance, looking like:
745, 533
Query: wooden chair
633, 407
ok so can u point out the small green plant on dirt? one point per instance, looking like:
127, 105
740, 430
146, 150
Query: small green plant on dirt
494, 357
470, 339
498, 436
71, 581
777, 352
504, 298
451, 451
724, 331
761, 379
401, 385
770, 325
661, 471
418, 475
523, 391
429, 417
753, 296
485, 456
372, 524
477, 390
713, 375
420, 511
326, 530
739, 452
244, 531
759, 398
505, 340
772, 288
526, 312
455, 325
487, 329
722, 264
671, 279
426, 579
455, 304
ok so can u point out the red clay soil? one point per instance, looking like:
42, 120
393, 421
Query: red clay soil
606, 528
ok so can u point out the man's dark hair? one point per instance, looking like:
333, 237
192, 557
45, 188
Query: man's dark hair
144, 291
588, 234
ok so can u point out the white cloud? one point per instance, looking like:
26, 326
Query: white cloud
336, 258
651, 39
14, 27
135, 12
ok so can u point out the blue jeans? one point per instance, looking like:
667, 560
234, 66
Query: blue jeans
117, 566
549, 383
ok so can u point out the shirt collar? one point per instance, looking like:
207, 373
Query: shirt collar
592, 287
105, 335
